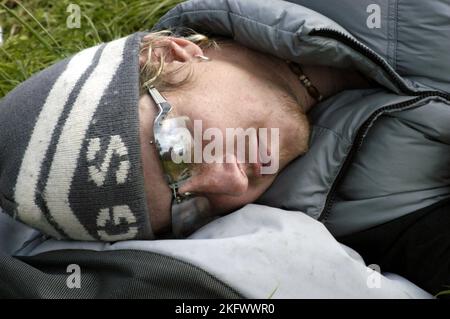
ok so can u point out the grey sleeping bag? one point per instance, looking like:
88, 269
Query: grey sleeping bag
376, 155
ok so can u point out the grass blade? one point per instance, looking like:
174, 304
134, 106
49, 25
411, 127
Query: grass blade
40, 25
26, 25
6, 53
93, 28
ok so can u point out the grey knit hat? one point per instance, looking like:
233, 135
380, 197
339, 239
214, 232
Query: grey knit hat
70, 156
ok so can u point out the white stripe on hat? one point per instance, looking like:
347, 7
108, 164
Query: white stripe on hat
73, 134
30, 169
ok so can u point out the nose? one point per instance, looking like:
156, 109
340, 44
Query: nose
217, 178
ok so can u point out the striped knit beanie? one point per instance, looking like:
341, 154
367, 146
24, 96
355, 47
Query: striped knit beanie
70, 157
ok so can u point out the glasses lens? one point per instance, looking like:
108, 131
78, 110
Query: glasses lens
175, 144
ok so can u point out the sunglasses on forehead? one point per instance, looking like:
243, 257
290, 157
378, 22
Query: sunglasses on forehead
174, 144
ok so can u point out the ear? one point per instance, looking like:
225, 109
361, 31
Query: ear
175, 49
182, 50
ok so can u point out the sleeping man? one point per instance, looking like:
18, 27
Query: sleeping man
94, 150
103, 146
227, 92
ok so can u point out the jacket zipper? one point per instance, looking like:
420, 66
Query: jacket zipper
331, 197
371, 55
354, 44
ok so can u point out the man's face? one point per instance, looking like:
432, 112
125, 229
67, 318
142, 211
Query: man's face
238, 89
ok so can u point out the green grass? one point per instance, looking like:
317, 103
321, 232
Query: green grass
445, 293
35, 32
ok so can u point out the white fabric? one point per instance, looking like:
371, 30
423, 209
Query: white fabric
267, 252
65, 160
30, 167
14, 235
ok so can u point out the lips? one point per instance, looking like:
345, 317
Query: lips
250, 170
256, 168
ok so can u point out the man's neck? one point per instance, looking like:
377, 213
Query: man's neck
328, 81
294, 86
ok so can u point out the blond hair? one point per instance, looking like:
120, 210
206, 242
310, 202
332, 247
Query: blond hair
153, 71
